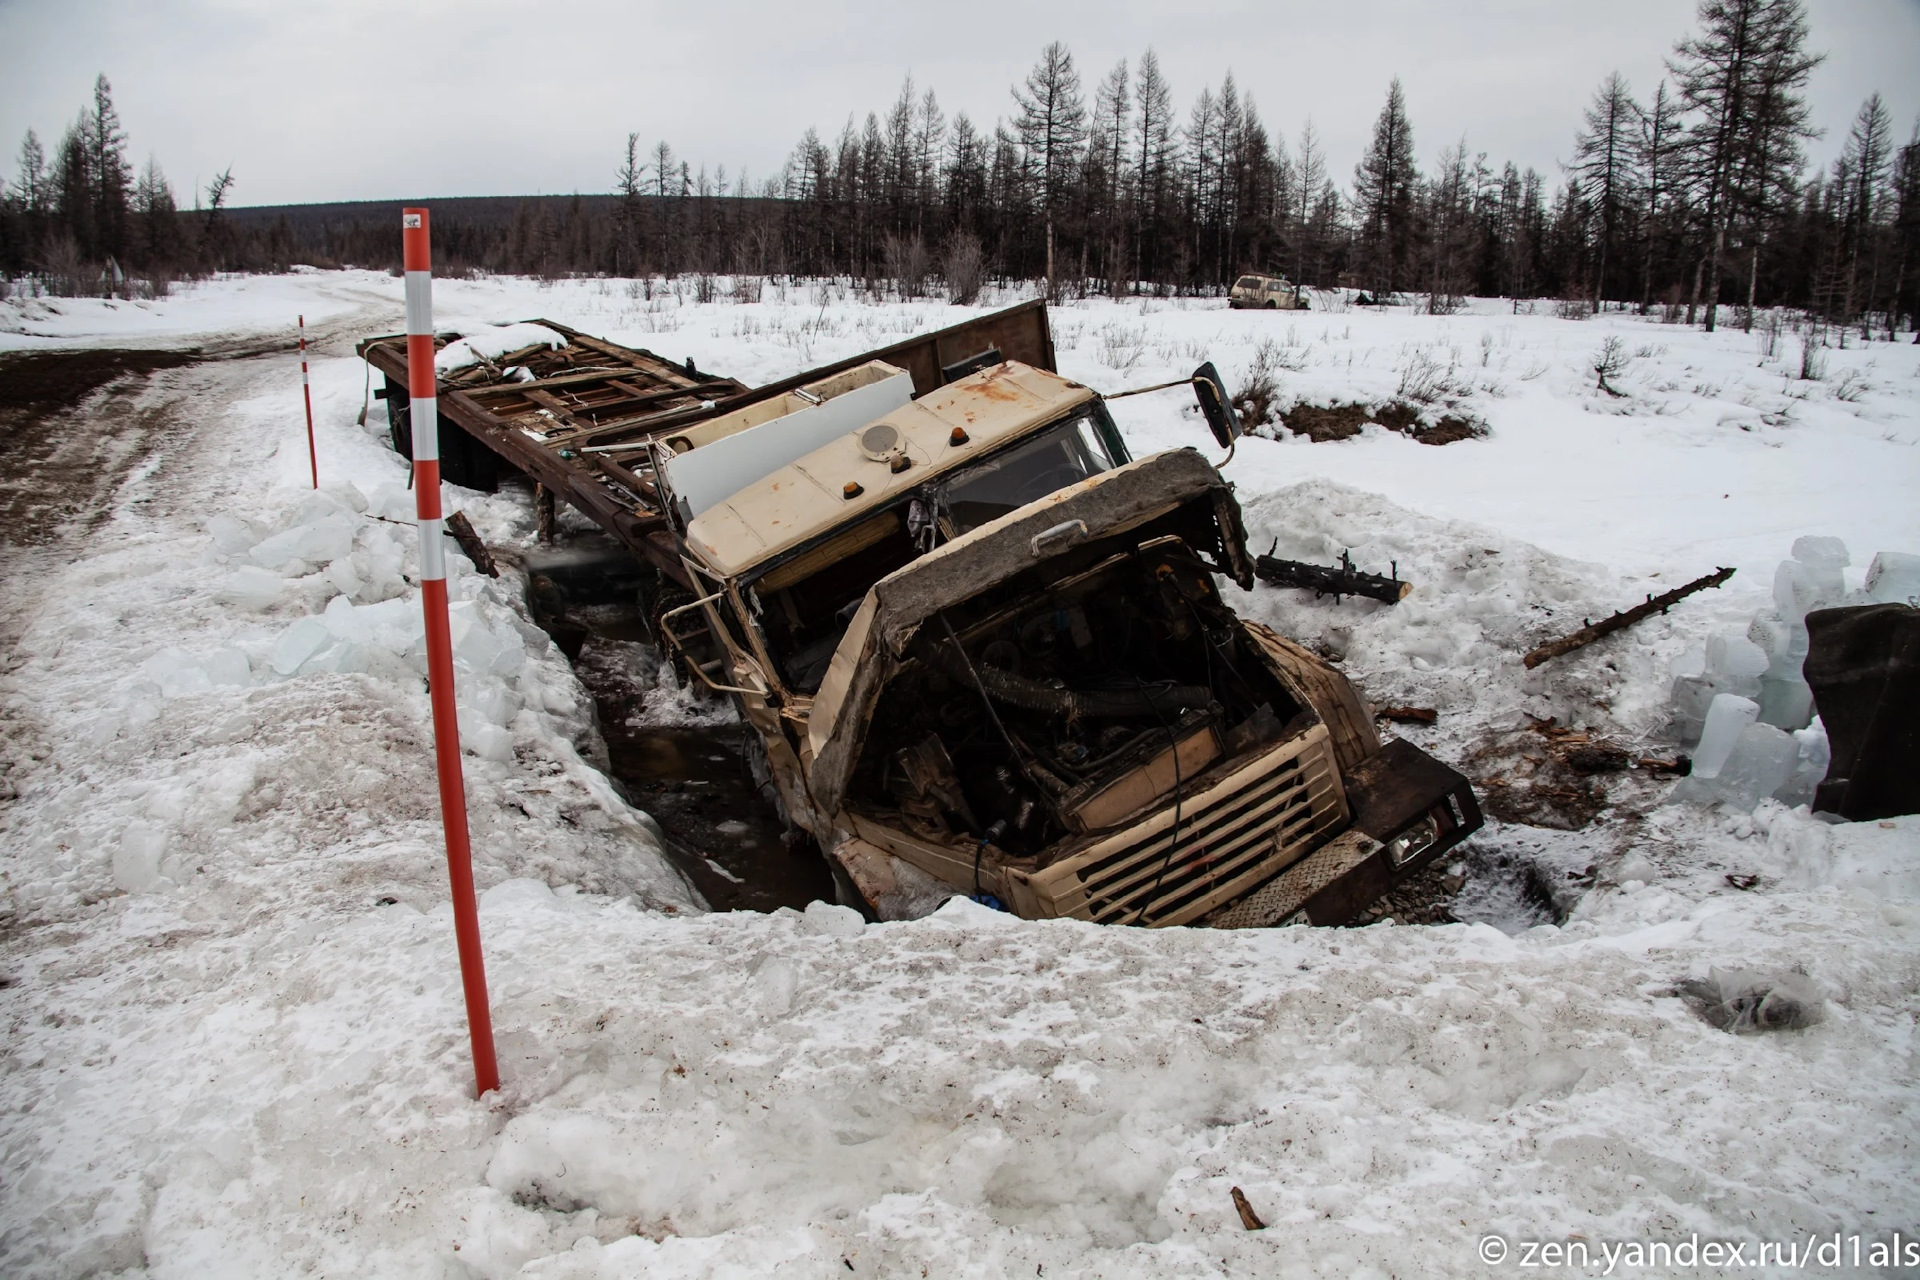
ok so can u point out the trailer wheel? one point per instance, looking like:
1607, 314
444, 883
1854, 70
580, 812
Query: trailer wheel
665, 598
400, 419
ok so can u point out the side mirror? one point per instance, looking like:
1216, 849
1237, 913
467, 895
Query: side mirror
1210, 389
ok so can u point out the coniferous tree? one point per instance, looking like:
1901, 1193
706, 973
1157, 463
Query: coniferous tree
1052, 127
1384, 186
1155, 154
1742, 75
1603, 169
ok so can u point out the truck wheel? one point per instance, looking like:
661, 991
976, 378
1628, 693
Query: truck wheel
1273, 304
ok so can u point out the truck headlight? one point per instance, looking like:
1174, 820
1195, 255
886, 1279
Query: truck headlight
1412, 842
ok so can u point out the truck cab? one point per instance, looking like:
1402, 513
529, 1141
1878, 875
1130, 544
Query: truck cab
985, 652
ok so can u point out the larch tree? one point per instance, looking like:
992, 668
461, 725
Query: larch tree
1310, 174
1741, 74
1107, 169
1657, 162
1155, 153
1052, 125
1385, 186
1602, 168
1861, 175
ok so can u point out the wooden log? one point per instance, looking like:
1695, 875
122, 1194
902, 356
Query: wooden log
1331, 580
1625, 618
1407, 715
460, 529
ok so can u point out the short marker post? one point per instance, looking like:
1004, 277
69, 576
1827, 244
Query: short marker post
313, 459
417, 259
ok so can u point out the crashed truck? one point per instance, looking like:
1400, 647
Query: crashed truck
983, 650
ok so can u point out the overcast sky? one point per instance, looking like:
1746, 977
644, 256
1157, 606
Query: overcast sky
358, 99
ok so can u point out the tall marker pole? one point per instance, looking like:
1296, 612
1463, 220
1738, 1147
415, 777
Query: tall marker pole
433, 599
313, 459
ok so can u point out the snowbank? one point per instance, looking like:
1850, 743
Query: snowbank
237, 1044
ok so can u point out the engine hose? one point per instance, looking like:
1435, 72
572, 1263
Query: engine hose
1100, 704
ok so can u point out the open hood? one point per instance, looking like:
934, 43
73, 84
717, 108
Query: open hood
876, 640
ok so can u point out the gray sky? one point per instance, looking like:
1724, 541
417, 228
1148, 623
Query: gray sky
353, 99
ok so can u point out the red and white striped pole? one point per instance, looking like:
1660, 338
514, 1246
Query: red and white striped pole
417, 259
313, 459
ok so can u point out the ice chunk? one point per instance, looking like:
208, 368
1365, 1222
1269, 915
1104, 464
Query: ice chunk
1735, 657
828, 920
251, 587
1809, 769
136, 863
489, 742
1691, 663
1691, 696
1894, 578
474, 646
519, 893
1726, 717
490, 699
177, 672
1785, 702
1821, 553
316, 543
345, 657
232, 535
391, 501
342, 577
1762, 760
298, 643
348, 495
228, 667
340, 618
1798, 589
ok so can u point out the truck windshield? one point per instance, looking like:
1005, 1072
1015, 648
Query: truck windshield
1059, 456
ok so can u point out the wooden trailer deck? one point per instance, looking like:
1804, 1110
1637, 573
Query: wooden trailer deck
577, 419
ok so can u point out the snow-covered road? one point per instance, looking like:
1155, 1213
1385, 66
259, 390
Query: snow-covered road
235, 1044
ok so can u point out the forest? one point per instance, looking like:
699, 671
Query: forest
1697, 197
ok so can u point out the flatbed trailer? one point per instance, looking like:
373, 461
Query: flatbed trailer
582, 420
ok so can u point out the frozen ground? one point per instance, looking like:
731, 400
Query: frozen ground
234, 1035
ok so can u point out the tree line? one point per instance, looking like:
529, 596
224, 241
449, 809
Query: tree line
1694, 198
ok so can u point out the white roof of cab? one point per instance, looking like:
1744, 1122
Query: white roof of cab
807, 498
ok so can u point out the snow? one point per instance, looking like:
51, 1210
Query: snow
236, 1044
489, 342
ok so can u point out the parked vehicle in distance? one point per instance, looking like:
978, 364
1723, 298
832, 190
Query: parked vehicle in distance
1271, 293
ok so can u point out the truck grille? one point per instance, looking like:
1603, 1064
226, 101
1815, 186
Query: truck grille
1231, 837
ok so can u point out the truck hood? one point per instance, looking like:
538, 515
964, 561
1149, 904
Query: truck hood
876, 640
